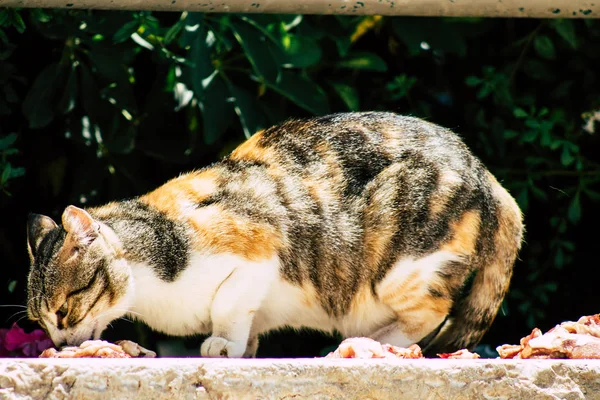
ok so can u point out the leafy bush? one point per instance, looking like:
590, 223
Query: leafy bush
115, 103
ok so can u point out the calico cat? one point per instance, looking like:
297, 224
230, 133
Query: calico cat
367, 224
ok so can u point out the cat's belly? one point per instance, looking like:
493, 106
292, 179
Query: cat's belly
288, 305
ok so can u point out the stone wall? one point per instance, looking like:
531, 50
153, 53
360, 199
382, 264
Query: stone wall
196, 378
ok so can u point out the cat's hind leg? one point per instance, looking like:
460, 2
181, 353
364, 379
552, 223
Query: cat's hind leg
419, 293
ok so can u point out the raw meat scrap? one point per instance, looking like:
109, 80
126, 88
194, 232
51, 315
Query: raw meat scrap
460, 354
363, 347
575, 340
99, 349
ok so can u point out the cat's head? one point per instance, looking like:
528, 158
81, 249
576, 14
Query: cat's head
79, 280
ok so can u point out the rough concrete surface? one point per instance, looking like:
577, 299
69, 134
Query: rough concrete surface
196, 378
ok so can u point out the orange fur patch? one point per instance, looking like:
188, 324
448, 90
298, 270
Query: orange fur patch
218, 230
250, 150
396, 292
173, 197
420, 321
466, 231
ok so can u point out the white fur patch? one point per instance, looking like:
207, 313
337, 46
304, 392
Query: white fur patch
183, 307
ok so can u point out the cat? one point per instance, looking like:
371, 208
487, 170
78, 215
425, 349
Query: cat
361, 223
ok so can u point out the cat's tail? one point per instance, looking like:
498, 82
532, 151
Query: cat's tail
474, 312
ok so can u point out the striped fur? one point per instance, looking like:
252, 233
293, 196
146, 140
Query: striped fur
372, 223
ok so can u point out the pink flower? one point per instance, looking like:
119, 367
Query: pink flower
14, 342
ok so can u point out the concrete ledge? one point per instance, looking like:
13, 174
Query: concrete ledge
432, 8
196, 378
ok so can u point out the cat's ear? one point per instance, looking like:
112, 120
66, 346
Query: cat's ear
80, 224
38, 227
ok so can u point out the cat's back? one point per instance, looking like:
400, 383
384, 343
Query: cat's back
348, 150
352, 138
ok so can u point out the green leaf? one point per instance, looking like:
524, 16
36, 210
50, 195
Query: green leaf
473, 81
38, 106
519, 113
574, 212
191, 24
216, 111
301, 52
544, 47
566, 29
303, 92
173, 31
17, 172
538, 193
559, 258
400, 86
555, 144
7, 141
126, 31
529, 136
203, 68
551, 286
4, 16
484, 91
69, 97
510, 134
5, 173
592, 194
343, 45
18, 22
247, 110
364, 61
348, 94
254, 43
566, 158
41, 15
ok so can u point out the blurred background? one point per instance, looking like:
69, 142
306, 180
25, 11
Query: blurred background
104, 105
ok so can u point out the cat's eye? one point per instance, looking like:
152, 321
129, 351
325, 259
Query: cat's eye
63, 310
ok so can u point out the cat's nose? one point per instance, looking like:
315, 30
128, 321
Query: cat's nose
59, 343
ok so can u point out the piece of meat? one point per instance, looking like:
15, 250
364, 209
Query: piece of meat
99, 349
363, 347
358, 347
509, 350
589, 325
560, 343
460, 354
413, 351
134, 349
513, 351
574, 340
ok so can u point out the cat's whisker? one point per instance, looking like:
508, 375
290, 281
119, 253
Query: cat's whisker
13, 305
19, 320
132, 312
34, 298
17, 313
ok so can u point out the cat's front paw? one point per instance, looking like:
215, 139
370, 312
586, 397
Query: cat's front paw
216, 346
